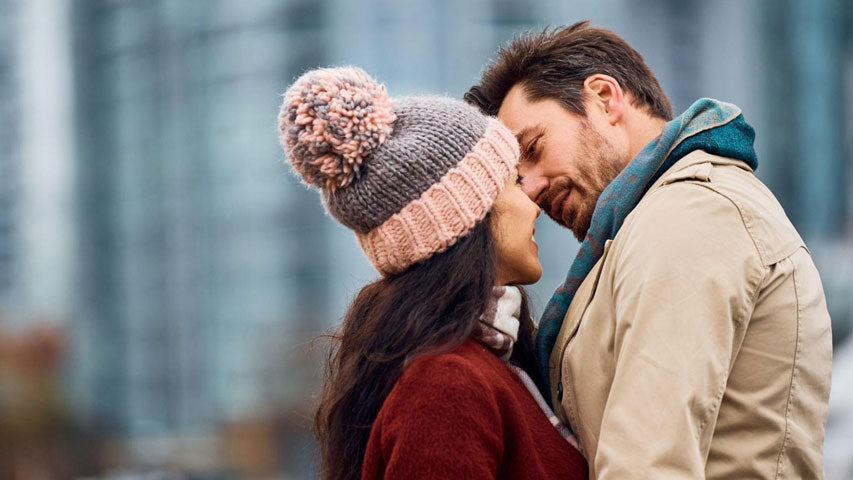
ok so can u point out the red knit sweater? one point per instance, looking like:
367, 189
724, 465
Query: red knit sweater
465, 415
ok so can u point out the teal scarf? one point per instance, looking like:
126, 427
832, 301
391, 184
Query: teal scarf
710, 125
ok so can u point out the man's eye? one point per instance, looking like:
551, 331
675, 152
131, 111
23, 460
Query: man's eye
530, 151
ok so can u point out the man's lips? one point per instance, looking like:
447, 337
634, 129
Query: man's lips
557, 205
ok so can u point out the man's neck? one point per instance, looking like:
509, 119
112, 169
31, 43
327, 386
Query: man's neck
644, 129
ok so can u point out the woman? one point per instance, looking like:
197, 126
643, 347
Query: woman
432, 374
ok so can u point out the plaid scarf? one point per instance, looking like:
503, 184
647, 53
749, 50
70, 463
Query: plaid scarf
710, 125
498, 331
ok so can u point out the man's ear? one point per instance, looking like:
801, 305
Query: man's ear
604, 92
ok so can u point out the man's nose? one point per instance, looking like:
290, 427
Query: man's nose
533, 186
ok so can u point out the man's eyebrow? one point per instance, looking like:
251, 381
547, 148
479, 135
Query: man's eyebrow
526, 131
523, 133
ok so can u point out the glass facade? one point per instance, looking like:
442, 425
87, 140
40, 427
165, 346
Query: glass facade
206, 253
9, 146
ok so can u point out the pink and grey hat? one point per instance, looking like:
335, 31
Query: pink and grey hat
410, 176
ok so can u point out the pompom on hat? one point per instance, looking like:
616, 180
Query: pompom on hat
410, 176
337, 117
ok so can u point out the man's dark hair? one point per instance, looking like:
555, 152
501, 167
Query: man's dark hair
555, 63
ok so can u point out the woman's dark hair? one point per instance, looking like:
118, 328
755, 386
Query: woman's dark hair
430, 308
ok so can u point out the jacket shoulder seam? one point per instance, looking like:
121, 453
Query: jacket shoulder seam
745, 218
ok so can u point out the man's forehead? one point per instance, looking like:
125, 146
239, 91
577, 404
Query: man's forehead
522, 116
512, 109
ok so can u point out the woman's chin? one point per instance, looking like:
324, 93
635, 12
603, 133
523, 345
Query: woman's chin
529, 277
535, 278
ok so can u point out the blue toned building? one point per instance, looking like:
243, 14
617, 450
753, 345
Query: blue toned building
192, 271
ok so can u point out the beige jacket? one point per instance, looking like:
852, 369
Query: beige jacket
699, 345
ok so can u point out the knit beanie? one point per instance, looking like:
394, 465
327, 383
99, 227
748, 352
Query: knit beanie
410, 176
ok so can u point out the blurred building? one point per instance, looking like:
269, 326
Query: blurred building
8, 147
144, 206
36, 162
208, 263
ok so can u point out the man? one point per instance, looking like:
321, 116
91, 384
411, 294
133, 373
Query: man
691, 338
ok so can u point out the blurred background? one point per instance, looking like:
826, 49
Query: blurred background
162, 275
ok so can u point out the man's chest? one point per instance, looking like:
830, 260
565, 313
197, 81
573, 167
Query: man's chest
582, 362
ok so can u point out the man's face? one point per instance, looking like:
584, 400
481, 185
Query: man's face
565, 161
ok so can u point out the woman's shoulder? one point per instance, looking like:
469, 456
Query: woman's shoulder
452, 386
469, 363
440, 420
464, 371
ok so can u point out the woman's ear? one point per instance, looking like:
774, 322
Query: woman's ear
604, 92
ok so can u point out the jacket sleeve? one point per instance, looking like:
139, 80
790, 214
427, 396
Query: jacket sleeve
441, 422
685, 280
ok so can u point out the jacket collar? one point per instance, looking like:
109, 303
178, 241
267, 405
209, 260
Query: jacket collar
696, 165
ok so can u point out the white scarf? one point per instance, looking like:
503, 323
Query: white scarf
498, 330
498, 326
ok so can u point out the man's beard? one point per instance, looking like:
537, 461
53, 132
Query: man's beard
602, 165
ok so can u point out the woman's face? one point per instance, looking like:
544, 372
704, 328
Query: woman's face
513, 223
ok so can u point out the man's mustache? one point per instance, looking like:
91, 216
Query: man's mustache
557, 188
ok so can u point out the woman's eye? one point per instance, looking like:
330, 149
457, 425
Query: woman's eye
519, 179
